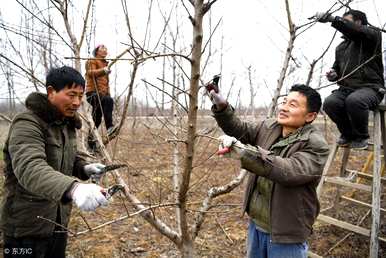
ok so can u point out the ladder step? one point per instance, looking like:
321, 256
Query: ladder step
369, 148
313, 255
341, 181
364, 175
347, 226
359, 202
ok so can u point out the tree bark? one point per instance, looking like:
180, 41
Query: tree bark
186, 248
287, 58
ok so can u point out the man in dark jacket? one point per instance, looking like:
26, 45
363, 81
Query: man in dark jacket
285, 158
358, 70
41, 170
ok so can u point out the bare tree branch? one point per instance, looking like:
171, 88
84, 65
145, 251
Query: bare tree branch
31, 74
288, 54
4, 117
213, 193
312, 65
83, 33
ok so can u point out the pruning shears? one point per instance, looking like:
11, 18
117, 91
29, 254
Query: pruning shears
213, 84
95, 178
112, 190
226, 150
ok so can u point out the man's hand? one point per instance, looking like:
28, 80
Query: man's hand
213, 92
94, 170
323, 17
106, 70
88, 196
332, 76
228, 147
218, 100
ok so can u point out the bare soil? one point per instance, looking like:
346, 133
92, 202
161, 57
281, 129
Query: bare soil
145, 149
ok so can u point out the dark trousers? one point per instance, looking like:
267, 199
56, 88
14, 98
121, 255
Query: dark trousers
105, 107
31, 247
349, 109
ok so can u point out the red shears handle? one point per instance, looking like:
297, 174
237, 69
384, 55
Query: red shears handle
223, 151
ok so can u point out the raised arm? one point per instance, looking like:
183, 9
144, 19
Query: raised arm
356, 32
227, 120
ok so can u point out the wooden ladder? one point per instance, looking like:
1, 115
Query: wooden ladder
344, 181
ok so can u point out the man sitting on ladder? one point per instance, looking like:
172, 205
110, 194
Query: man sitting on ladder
358, 70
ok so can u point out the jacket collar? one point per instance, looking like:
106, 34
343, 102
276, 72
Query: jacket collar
301, 134
38, 103
276, 130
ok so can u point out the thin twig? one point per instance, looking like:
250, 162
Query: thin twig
56, 224
124, 217
176, 100
349, 234
223, 230
6, 118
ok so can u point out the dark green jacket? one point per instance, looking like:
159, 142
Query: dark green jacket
40, 162
295, 172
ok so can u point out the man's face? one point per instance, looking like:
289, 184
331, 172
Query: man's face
293, 113
351, 19
67, 100
102, 51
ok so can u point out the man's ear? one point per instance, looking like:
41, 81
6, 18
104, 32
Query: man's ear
358, 22
311, 116
50, 91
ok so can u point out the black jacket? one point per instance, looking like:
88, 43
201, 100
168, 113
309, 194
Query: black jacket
362, 45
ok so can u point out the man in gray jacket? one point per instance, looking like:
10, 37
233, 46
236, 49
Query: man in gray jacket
42, 170
285, 157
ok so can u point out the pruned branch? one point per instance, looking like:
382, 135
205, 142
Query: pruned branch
213, 193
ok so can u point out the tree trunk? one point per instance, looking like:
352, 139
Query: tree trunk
187, 244
287, 58
187, 249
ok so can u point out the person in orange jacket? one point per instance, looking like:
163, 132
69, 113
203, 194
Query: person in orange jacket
98, 89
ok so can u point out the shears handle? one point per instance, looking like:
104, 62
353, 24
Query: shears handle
224, 151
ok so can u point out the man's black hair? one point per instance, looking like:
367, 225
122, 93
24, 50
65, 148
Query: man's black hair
94, 52
64, 76
357, 15
314, 102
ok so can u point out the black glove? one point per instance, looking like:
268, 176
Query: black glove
324, 17
332, 76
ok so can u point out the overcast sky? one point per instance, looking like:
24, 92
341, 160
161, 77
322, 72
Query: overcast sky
251, 32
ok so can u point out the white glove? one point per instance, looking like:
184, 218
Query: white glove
218, 100
88, 196
229, 147
323, 17
332, 76
106, 70
94, 170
